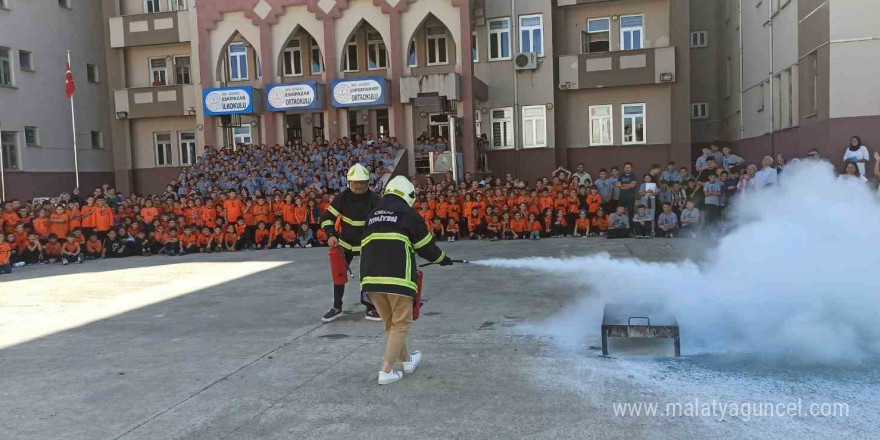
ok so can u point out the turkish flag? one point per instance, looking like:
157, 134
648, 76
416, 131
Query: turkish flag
69, 86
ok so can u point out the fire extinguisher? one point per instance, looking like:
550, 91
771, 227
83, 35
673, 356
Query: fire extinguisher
337, 266
417, 301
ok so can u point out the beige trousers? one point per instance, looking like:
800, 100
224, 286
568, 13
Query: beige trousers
396, 312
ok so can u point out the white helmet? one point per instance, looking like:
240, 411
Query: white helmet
403, 188
357, 173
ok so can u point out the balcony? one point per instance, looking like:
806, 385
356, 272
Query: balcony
443, 84
155, 102
617, 69
149, 29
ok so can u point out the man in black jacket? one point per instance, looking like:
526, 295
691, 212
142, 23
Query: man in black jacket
393, 235
349, 210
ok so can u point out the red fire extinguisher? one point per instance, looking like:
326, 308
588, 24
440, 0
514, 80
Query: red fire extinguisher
417, 302
337, 266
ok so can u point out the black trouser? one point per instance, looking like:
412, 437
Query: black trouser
31, 257
191, 249
6, 268
172, 247
264, 242
617, 233
560, 229
713, 213
641, 229
339, 289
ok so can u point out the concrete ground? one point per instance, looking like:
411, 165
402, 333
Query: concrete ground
232, 347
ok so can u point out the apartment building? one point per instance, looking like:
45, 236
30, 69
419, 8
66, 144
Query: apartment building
152, 77
35, 118
804, 80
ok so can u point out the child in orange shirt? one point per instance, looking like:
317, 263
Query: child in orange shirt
231, 241
599, 223
519, 226
288, 236
33, 250
506, 231
475, 225
582, 225
437, 228
275, 231
189, 241
261, 236
451, 230
41, 224
5, 257
70, 251
534, 228
94, 248
594, 201
560, 225
52, 249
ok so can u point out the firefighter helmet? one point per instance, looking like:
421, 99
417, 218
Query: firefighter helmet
403, 188
357, 173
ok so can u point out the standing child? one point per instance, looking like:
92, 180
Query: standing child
690, 219
70, 250
712, 202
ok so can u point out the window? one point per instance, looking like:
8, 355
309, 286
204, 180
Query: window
151, 6
377, 56
812, 62
25, 61
9, 147
699, 38
242, 135
64, 4
317, 62
631, 32
475, 50
92, 73
97, 140
159, 71
436, 43
292, 62
531, 29
5, 67
31, 137
176, 5
761, 94
534, 126
318, 125
350, 63
163, 149
238, 62
699, 110
412, 57
502, 128
182, 70
633, 124
597, 38
601, 125
187, 147
499, 39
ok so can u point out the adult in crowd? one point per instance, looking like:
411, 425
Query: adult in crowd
857, 153
851, 172
768, 175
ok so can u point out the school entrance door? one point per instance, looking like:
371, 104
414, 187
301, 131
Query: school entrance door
294, 126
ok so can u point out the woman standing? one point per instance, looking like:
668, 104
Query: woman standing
857, 153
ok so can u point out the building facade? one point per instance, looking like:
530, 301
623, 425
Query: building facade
35, 116
547, 83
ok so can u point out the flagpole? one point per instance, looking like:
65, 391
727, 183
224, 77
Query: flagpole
73, 124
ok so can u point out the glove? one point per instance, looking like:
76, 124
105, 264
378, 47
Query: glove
446, 261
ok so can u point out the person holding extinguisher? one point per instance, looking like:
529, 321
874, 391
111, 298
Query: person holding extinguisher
393, 235
343, 222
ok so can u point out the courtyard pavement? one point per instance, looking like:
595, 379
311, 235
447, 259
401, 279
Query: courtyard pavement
231, 346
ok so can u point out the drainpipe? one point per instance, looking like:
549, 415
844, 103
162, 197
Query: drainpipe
742, 108
513, 47
772, 102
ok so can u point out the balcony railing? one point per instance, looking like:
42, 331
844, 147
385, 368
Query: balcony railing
154, 102
149, 29
617, 69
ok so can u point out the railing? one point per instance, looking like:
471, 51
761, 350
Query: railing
617, 69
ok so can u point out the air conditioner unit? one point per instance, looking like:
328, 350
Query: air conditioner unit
526, 61
666, 77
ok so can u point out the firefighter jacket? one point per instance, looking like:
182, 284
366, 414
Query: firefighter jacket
349, 211
394, 234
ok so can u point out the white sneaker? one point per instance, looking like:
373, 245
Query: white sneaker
415, 358
389, 378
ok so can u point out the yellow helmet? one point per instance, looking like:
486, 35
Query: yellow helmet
357, 173
403, 188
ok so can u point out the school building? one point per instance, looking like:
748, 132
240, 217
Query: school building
548, 82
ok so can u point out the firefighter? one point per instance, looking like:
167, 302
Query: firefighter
394, 234
343, 222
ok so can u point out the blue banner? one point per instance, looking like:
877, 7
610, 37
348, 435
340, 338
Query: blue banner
368, 91
228, 101
306, 95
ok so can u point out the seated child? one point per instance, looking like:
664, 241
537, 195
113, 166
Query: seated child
70, 250
642, 223
618, 224
582, 225
451, 230
667, 222
94, 248
599, 223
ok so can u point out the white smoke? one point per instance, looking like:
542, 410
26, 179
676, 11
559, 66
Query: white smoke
794, 281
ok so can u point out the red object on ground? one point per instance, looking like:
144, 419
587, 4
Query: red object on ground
417, 302
337, 266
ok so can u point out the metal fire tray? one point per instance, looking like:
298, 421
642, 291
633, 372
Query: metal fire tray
638, 321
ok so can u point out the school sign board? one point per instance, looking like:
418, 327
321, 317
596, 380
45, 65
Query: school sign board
369, 91
228, 101
291, 97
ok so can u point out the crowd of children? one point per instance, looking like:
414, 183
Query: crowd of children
254, 197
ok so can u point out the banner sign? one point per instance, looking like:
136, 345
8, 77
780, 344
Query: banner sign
228, 101
361, 92
307, 95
